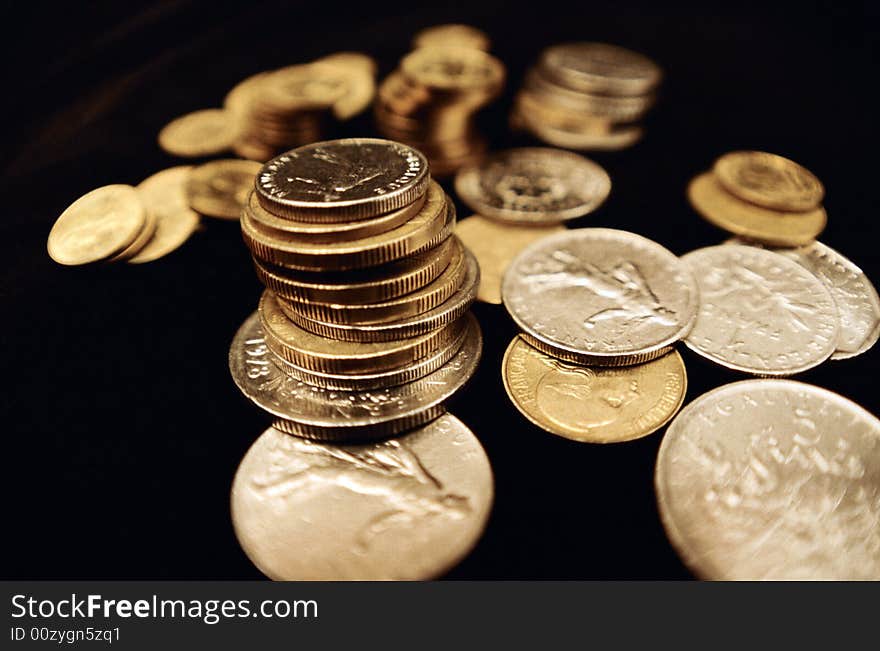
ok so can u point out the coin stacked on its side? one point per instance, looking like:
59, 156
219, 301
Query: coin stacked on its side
431, 100
363, 329
587, 96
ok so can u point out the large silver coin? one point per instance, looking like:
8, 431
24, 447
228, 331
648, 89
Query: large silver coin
334, 415
760, 312
341, 180
533, 185
408, 508
857, 302
773, 479
600, 296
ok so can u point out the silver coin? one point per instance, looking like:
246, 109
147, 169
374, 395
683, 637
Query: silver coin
773, 479
447, 312
331, 415
340, 180
760, 312
857, 302
407, 508
600, 296
533, 185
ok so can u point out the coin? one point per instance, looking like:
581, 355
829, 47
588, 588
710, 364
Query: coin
363, 63
145, 235
360, 286
495, 245
423, 299
855, 296
769, 181
455, 69
316, 353
220, 188
430, 226
380, 379
164, 197
721, 208
593, 404
609, 107
202, 133
97, 226
533, 185
452, 34
329, 415
447, 312
600, 68
772, 479
760, 312
342, 180
600, 296
406, 508
620, 137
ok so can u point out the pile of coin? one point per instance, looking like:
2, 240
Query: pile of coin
587, 96
272, 111
430, 101
774, 302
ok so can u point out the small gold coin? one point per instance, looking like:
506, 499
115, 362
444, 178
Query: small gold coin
164, 197
593, 404
452, 34
140, 241
752, 222
220, 188
97, 226
769, 181
353, 60
458, 69
318, 353
202, 133
495, 244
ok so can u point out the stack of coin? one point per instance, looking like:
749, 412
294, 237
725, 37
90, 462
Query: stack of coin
272, 111
600, 311
363, 329
117, 223
431, 100
587, 96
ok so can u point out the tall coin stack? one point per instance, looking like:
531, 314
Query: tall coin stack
363, 330
430, 102
587, 96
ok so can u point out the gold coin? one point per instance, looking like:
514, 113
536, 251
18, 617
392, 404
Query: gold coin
363, 286
430, 226
600, 68
747, 220
769, 181
140, 241
164, 197
612, 107
202, 133
238, 100
495, 244
323, 233
452, 34
593, 404
220, 188
421, 300
97, 226
363, 63
457, 69
318, 353
618, 138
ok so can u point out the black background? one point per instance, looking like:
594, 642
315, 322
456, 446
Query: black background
122, 428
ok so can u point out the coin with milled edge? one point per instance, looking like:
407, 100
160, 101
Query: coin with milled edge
855, 296
220, 188
202, 133
447, 312
593, 404
452, 34
317, 353
97, 226
331, 415
721, 208
772, 479
407, 508
769, 180
600, 296
342, 180
610, 107
495, 244
533, 185
163, 196
760, 312
600, 68
370, 285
